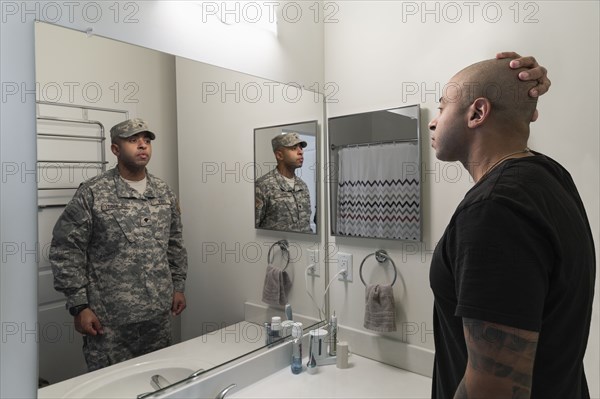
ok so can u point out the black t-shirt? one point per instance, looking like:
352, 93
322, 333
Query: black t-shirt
518, 251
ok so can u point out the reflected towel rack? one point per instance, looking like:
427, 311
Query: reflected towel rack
283, 246
100, 138
88, 163
381, 256
337, 147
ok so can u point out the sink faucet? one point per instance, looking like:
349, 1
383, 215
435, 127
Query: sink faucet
196, 373
159, 382
225, 391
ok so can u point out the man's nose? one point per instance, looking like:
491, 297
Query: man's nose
432, 125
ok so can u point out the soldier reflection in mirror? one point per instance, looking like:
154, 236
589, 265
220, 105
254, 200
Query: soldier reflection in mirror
117, 254
282, 199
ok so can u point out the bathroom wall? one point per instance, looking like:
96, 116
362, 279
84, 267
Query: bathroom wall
180, 28
387, 54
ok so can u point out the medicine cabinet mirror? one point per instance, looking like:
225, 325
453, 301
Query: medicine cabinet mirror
374, 174
289, 216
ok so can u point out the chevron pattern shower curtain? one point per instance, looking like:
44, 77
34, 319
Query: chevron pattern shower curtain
378, 191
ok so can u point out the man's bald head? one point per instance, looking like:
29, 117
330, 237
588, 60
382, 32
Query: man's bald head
495, 80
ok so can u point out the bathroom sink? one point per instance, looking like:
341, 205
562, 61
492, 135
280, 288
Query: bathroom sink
133, 380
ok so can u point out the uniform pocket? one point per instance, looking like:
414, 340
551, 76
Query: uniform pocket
161, 215
122, 214
284, 205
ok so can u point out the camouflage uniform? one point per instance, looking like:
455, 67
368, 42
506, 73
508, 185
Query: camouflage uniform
280, 207
122, 253
120, 343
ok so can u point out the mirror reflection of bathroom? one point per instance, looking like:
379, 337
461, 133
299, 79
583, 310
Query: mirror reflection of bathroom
374, 174
202, 152
286, 204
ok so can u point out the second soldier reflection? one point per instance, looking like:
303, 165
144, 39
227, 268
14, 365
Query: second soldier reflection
282, 199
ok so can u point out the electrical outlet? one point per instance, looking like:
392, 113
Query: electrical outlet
313, 260
345, 263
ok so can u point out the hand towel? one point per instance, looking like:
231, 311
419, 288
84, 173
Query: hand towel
380, 310
277, 286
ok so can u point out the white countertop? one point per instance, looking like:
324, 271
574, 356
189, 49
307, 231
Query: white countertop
364, 378
260, 376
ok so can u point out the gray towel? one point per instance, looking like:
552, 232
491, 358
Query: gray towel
380, 311
277, 286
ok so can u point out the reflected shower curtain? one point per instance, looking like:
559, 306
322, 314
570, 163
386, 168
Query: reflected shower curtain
378, 191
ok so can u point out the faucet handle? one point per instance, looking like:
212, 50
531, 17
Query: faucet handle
225, 391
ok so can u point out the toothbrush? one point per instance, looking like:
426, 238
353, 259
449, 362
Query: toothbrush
311, 366
333, 330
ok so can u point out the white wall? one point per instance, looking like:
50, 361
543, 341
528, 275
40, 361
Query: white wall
388, 53
295, 55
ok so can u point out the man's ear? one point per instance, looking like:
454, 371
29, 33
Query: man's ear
479, 112
278, 154
115, 149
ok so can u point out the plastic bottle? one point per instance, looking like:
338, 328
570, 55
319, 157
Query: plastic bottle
275, 328
297, 348
269, 336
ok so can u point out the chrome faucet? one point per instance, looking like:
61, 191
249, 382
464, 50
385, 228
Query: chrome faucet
196, 373
159, 382
225, 391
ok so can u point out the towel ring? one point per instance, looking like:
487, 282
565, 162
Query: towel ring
283, 246
381, 256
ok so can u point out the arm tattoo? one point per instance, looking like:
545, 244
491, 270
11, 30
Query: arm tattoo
501, 354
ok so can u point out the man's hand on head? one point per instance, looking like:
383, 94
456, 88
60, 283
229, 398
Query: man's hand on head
535, 72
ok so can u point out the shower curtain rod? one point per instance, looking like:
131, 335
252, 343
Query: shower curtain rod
336, 147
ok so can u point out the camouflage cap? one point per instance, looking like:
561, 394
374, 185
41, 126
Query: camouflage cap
129, 128
287, 140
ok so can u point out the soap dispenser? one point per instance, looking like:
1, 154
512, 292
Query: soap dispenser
297, 348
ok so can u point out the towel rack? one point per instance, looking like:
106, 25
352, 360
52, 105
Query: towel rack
283, 246
381, 256
56, 108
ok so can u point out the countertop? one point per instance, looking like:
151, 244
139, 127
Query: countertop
266, 375
364, 378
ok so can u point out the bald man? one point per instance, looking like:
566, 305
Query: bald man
513, 275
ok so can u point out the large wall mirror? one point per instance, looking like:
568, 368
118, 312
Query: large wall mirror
374, 174
204, 118
286, 204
